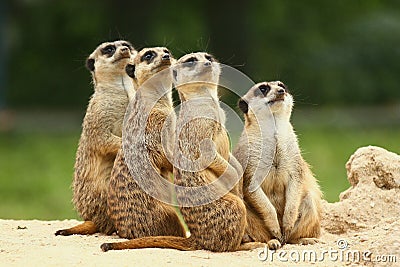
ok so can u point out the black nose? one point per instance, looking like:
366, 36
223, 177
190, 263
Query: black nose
207, 64
165, 57
123, 49
281, 91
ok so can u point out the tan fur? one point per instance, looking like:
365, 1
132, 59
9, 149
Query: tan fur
218, 225
134, 212
101, 136
287, 204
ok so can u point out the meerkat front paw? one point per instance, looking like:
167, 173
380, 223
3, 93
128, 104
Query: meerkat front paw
274, 244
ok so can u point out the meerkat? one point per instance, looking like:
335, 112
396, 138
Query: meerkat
278, 185
101, 135
143, 158
218, 224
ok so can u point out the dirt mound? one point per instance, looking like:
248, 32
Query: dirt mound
373, 200
374, 197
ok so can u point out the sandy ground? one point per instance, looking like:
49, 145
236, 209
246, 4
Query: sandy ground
363, 228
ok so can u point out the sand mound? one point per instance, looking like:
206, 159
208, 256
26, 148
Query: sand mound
372, 202
374, 197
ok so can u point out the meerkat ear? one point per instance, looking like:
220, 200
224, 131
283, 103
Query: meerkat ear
90, 64
130, 70
244, 107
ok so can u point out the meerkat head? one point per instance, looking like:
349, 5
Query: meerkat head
148, 62
267, 95
196, 72
109, 59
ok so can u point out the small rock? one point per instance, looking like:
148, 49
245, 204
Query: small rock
353, 222
372, 204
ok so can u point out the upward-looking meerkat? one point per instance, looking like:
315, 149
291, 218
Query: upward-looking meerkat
278, 184
101, 135
217, 224
143, 157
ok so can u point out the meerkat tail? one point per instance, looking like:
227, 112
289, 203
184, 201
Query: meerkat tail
174, 242
85, 228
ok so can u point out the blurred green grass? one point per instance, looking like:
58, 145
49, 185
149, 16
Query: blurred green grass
35, 175
328, 150
37, 156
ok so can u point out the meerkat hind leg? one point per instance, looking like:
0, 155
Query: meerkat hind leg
85, 228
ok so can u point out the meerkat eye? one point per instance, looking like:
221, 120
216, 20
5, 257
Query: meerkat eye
209, 58
264, 88
191, 59
108, 50
149, 55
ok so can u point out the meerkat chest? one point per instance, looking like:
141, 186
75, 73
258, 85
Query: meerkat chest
278, 175
276, 180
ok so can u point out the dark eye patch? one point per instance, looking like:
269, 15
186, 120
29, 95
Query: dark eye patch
209, 57
148, 56
109, 50
262, 90
191, 59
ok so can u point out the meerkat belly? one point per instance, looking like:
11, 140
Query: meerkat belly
274, 187
97, 174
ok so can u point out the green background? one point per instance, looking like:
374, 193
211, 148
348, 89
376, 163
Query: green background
341, 60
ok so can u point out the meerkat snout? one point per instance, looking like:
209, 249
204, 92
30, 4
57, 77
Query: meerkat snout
166, 56
124, 49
